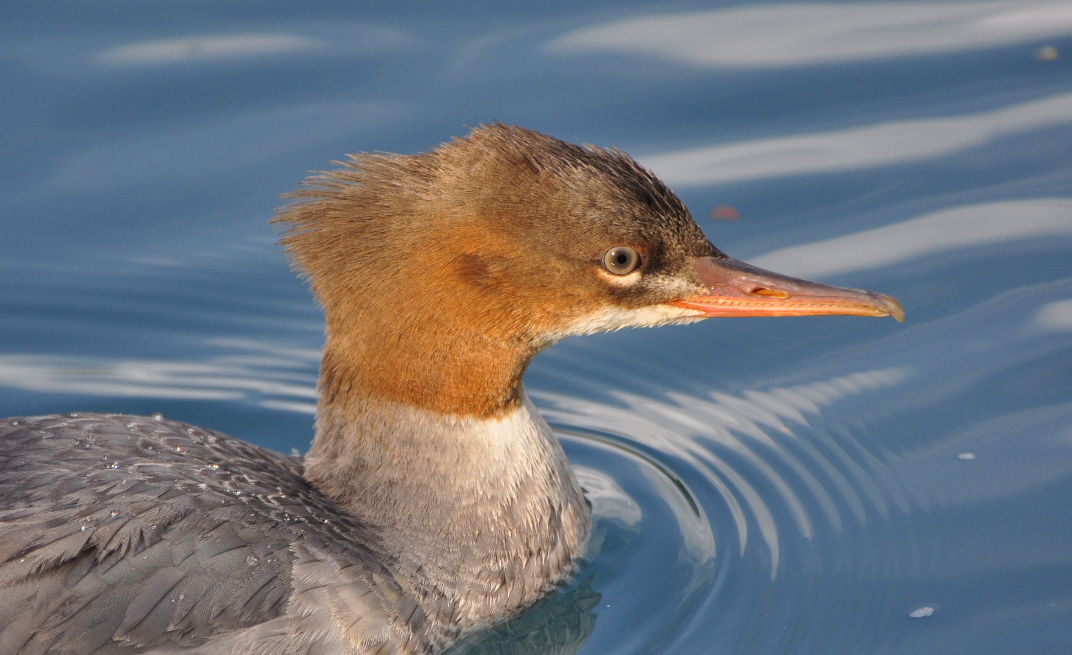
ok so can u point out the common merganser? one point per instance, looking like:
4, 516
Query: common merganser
434, 499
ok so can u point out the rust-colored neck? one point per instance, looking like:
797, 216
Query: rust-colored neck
443, 368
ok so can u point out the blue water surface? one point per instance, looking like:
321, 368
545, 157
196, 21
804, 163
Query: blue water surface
821, 485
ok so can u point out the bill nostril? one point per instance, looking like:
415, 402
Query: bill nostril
764, 291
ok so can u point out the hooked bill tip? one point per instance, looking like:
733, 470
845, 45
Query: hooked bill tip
894, 307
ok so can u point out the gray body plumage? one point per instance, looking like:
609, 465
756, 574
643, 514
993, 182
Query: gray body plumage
125, 534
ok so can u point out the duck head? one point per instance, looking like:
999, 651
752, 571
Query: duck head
443, 274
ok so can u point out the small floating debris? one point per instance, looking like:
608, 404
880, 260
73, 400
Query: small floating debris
921, 612
966, 457
725, 213
1046, 53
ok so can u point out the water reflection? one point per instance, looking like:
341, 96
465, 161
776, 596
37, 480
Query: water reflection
855, 148
268, 375
609, 501
999, 466
198, 48
558, 625
1055, 315
804, 34
338, 38
949, 229
729, 441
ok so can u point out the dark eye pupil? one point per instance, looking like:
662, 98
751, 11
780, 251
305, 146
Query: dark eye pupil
621, 260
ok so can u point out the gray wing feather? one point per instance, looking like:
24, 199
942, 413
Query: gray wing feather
122, 534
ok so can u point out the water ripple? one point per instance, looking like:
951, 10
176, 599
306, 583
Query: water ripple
739, 445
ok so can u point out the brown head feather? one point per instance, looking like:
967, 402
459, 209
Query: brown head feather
442, 274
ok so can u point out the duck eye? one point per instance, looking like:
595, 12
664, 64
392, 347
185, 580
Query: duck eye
621, 260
